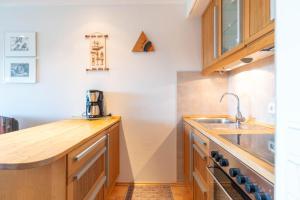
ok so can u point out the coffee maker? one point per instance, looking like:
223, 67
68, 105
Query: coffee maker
94, 104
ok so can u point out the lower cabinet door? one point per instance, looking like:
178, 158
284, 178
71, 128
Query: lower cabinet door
199, 188
200, 162
88, 182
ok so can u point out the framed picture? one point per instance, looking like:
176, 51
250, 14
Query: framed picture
20, 70
20, 44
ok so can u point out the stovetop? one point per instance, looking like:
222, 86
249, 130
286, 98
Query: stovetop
259, 145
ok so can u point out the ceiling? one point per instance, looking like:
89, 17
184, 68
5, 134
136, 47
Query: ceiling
86, 2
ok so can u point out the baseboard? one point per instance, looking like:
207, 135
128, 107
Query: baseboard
178, 184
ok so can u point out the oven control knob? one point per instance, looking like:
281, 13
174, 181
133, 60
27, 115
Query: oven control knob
233, 172
218, 157
251, 187
241, 179
214, 153
223, 162
262, 196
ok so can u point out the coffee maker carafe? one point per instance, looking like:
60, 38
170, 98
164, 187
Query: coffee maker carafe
94, 104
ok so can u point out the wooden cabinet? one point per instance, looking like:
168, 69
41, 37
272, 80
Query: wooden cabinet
86, 170
94, 167
187, 145
259, 16
200, 191
113, 159
66, 160
200, 158
196, 148
209, 35
242, 26
200, 162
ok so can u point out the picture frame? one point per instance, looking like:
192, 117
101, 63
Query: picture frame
20, 70
20, 44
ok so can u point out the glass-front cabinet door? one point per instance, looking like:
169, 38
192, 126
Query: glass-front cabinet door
232, 24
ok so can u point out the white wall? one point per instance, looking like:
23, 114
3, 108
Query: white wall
256, 89
288, 98
139, 87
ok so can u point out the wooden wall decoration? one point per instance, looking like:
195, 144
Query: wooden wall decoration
97, 52
143, 44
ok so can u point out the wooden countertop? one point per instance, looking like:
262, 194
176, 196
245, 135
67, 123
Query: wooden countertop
261, 167
41, 145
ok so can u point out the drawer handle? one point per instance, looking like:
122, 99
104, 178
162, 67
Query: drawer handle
196, 137
89, 149
107, 171
97, 189
199, 183
199, 151
87, 166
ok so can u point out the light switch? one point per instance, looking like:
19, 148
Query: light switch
271, 108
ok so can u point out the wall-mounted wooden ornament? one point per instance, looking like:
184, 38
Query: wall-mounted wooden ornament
143, 44
97, 52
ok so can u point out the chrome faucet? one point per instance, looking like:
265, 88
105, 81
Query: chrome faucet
238, 117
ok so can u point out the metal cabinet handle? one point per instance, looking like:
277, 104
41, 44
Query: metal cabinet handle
272, 9
215, 31
199, 151
199, 183
218, 183
198, 140
89, 149
191, 133
87, 166
107, 162
97, 189
239, 21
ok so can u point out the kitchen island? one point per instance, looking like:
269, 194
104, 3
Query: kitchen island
69, 159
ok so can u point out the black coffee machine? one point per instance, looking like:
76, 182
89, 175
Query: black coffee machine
94, 104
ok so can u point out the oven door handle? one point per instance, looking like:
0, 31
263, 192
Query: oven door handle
218, 182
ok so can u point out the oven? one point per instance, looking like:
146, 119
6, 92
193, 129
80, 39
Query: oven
221, 186
230, 179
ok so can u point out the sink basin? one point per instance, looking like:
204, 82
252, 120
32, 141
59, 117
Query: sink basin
214, 120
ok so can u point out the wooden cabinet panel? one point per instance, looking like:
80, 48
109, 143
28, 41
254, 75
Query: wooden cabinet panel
199, 189
113, 167
200, 162
94, 166
201, 141
258, 19
85, 182
187, 154
78, 157
209, 53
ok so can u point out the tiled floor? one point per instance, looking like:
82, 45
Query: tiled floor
180, 192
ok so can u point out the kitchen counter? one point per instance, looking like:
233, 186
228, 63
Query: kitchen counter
213, 133
42, 145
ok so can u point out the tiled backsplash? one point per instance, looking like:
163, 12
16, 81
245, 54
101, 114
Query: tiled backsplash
197, 95
256, 89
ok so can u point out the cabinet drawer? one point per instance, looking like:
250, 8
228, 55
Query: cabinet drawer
89, 180
200, 191
201, 141
200, 162
80, 156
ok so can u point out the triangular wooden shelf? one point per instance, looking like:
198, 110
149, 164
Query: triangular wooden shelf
143, 44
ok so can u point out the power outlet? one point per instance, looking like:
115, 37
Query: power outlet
271, 108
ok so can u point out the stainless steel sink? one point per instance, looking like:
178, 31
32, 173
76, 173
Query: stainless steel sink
214, 120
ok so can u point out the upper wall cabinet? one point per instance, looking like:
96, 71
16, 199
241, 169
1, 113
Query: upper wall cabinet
231, 24
209, 35
259, 16
233, 30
